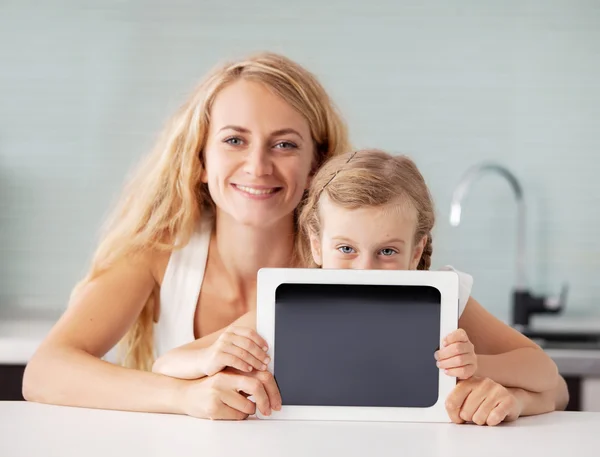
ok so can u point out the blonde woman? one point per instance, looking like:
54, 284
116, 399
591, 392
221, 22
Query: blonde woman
215, 202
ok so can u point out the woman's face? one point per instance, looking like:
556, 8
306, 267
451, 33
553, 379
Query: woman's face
258, 155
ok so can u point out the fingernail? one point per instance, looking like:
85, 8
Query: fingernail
264, 367
249, 368
265, 348
435, 356
437, 364
267, 360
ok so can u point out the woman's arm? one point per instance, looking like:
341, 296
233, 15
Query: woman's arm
505, 355
67, 369
237, 346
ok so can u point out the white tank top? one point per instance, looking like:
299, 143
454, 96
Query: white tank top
180, 291
182, 283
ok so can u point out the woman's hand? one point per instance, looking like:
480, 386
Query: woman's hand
237, 347
224, 395
483, 402
457, 356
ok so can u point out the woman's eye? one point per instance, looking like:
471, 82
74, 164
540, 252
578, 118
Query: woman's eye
234, 141
346, 250
285, 145
388, 252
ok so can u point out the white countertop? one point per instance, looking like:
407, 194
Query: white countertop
30, 430
21, 332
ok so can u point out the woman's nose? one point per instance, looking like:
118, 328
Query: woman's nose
258, 162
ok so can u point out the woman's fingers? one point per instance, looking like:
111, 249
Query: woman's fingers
271, 387
254, 388
251, 335
248, 351
238, 402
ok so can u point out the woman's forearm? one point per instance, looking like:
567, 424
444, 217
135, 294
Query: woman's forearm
71, 377
526, 368
186, 361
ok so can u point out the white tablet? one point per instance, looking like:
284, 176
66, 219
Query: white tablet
358, 344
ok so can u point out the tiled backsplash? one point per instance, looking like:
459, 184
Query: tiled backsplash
85, 89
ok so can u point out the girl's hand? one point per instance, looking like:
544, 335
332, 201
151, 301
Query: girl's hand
236, 347
457, 356
482, 401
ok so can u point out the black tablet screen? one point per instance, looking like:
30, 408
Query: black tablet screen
357, 345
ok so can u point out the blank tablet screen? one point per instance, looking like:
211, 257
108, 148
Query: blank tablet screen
357, 345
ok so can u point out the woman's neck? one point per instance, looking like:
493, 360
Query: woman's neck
239, 251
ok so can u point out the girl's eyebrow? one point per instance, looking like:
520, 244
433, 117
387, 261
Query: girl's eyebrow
394, 240
342, 238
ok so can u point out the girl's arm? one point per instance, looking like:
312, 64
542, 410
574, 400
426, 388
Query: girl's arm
508, 357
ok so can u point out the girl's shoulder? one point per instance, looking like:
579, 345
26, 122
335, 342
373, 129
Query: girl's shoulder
465, 285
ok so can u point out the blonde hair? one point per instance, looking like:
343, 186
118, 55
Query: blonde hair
368, 178
162, 204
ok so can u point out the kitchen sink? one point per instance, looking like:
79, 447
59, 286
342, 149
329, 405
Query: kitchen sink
564, 339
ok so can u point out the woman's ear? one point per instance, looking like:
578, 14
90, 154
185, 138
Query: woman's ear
315, 247
418, 253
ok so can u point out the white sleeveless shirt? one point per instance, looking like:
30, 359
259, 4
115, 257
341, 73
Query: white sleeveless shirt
183, 280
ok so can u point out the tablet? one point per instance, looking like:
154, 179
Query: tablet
357, 344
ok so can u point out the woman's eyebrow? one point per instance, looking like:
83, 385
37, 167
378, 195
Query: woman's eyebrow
286, 131
237, 128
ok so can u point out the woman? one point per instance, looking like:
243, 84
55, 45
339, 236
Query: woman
214, 203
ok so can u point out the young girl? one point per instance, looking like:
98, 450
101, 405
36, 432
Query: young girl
372, 210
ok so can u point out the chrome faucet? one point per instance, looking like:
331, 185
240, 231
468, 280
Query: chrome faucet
524, 304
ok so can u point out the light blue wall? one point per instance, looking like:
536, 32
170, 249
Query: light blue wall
84, 90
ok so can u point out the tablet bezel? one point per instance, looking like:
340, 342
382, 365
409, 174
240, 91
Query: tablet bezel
446, 282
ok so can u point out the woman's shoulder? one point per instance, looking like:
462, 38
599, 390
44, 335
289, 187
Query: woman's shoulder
193, 246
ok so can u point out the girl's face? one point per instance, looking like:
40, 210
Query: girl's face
370, 238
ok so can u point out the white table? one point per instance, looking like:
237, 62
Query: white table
31, 430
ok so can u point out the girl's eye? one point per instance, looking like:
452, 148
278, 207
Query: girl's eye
346, 250
285, 145
234, 141
388, 252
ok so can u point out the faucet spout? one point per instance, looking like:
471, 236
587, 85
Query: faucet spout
461, 191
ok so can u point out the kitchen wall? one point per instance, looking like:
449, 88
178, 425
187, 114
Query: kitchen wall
85, 87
